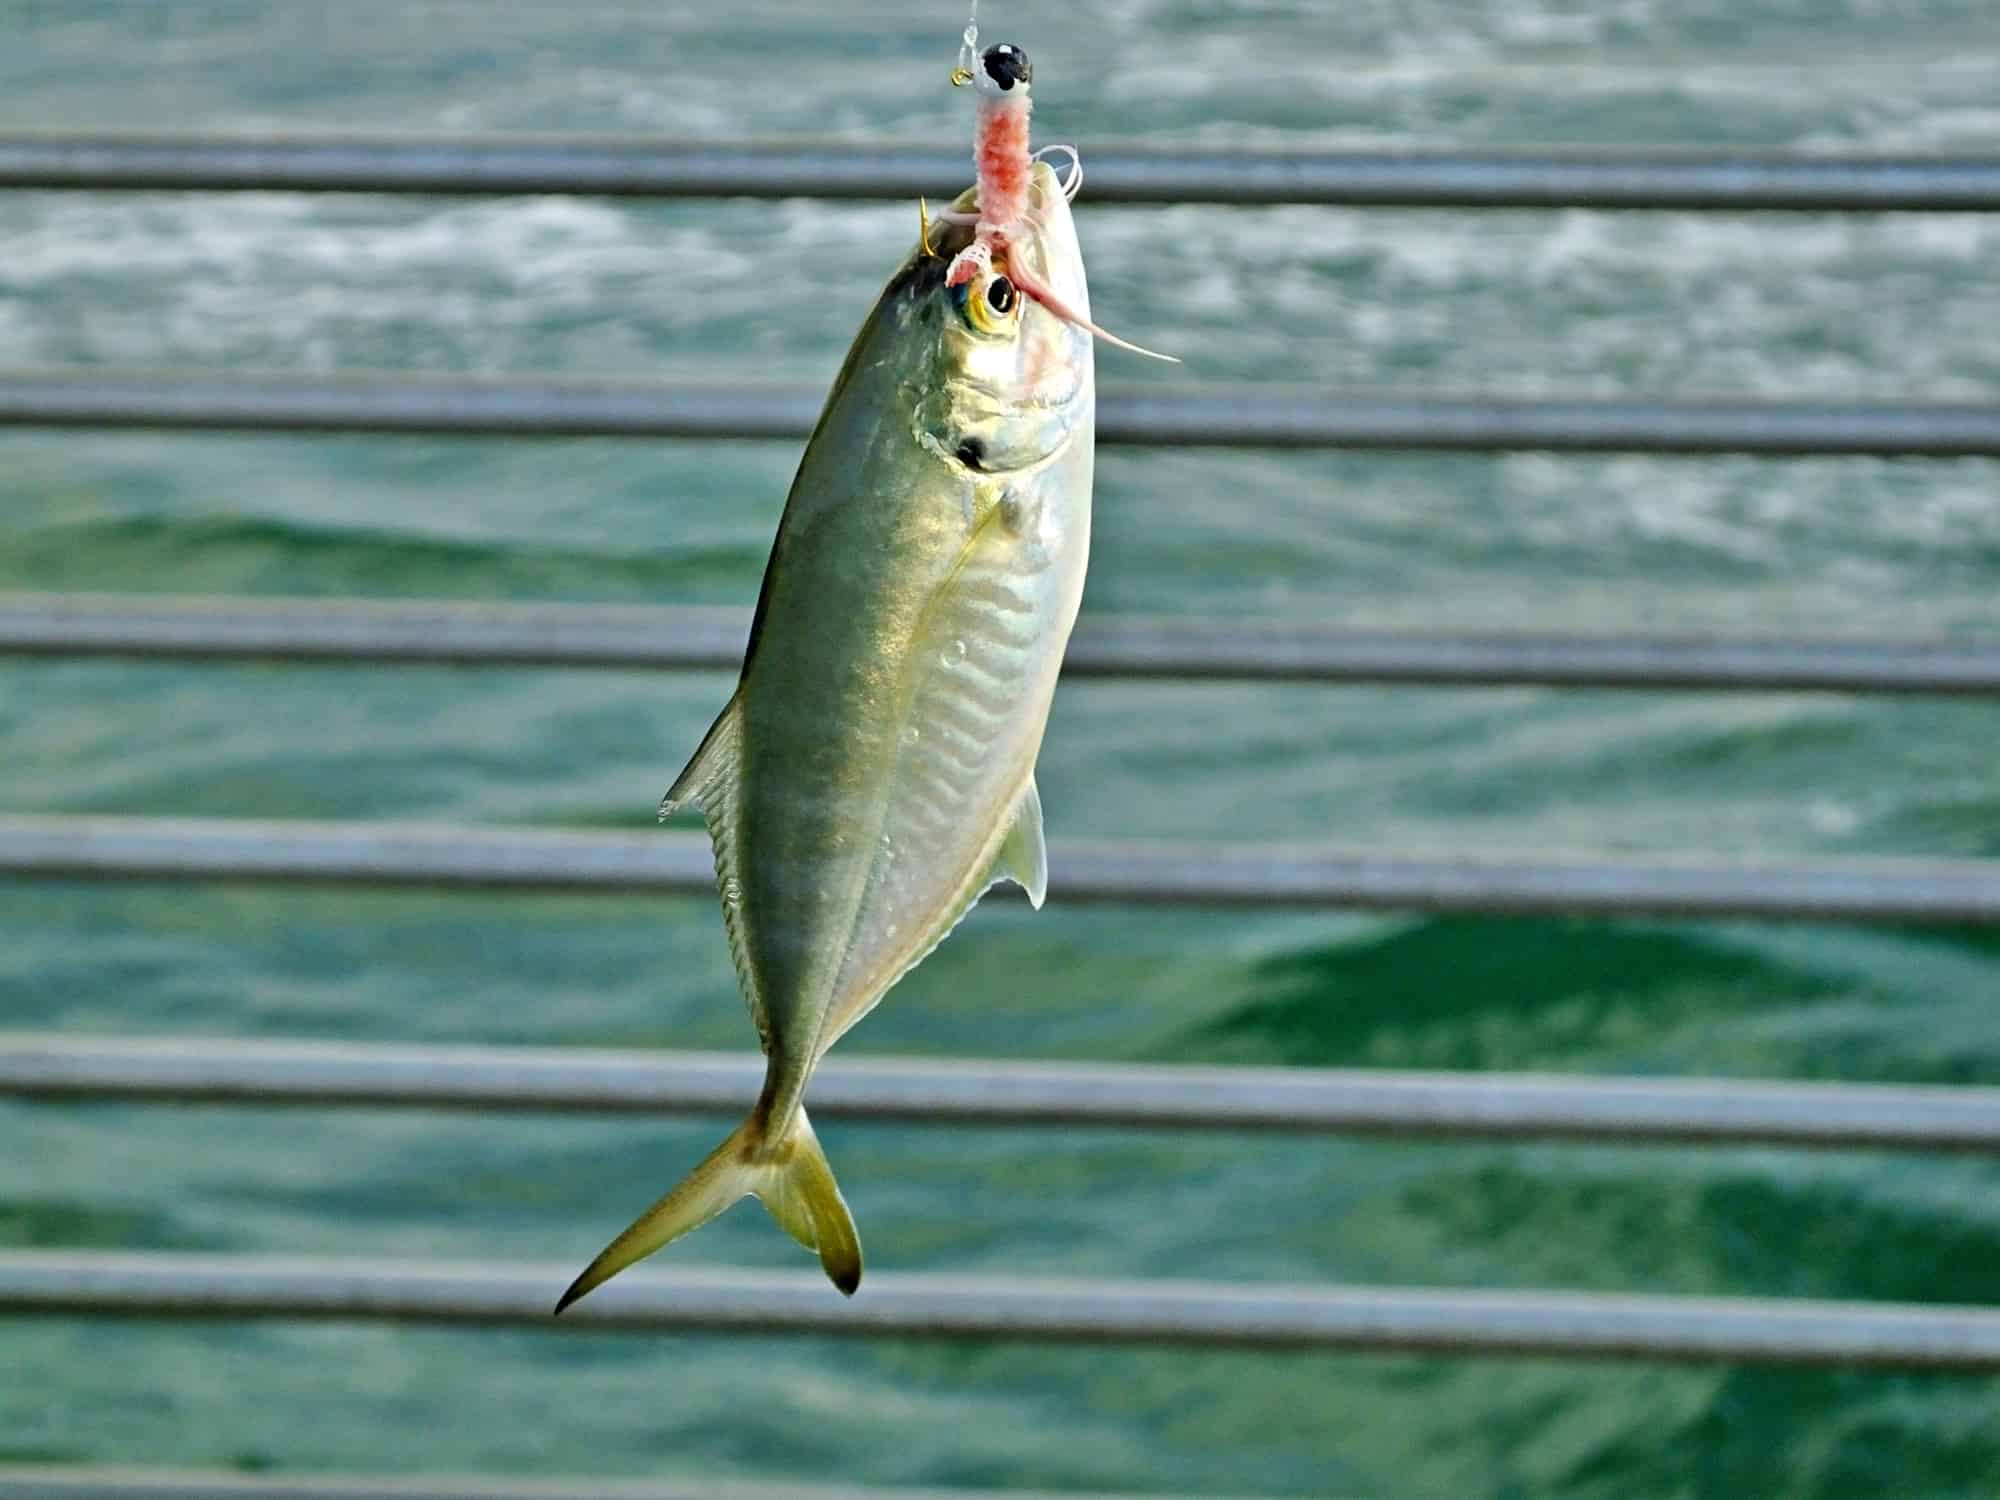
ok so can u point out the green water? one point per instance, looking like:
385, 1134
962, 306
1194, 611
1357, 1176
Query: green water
1772, 306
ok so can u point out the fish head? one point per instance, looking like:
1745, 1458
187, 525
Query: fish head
1009, 383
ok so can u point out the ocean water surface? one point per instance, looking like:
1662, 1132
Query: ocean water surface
1758, 305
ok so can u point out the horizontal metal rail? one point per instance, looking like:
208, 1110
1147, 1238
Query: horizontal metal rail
1857, 890
1495, 1106
66, 1482
1567, 1325
1601, 178
1222, 875
411, 631
1187, 416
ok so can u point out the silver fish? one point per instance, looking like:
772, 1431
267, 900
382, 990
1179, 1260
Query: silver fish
873, 774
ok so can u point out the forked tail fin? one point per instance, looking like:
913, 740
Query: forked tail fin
790, 1176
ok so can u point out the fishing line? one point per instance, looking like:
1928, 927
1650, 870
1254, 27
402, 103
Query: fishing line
968, 50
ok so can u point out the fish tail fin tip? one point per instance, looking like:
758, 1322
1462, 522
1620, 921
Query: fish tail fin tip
798, 1189
790, 1177
720, 1180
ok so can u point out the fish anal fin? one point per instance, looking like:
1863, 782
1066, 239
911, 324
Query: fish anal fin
713, 765
1020, 858
1023, 857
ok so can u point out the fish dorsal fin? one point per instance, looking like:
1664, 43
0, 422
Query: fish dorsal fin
710, 783
712, 765
1023, 858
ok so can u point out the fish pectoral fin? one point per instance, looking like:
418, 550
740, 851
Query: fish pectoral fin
789, 1176
714, 761
1023, 857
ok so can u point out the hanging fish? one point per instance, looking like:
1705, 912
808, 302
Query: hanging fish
874, 772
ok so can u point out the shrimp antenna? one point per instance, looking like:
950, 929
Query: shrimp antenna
1033, 286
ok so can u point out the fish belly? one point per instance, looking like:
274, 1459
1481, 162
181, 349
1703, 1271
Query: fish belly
981, 671
892, 716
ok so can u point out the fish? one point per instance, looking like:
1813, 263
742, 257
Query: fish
873, 774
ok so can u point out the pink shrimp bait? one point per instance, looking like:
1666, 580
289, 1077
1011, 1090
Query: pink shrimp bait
1004, 168
999, 154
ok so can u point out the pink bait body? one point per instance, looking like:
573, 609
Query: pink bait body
1000, 159
1000, 153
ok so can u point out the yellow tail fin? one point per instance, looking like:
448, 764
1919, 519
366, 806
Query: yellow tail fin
790, 1176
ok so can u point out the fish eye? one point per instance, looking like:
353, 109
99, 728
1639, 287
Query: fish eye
1007, 65
989, 304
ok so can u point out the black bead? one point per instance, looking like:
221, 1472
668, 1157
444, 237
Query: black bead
1007, 65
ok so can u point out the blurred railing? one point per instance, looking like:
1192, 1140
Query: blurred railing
1135, 871
40, 1482
1580, 178
961, 1091
1487, 1106
1240, 416
386, 632
1399, 1320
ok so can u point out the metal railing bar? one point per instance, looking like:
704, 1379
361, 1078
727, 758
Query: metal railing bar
691, 638
77, 1482
1140, 872
963, 1091
441, 164
1569, 1325
1187, 416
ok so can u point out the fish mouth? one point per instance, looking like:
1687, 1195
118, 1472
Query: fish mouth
1048, 242
992, 403
1053, 251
